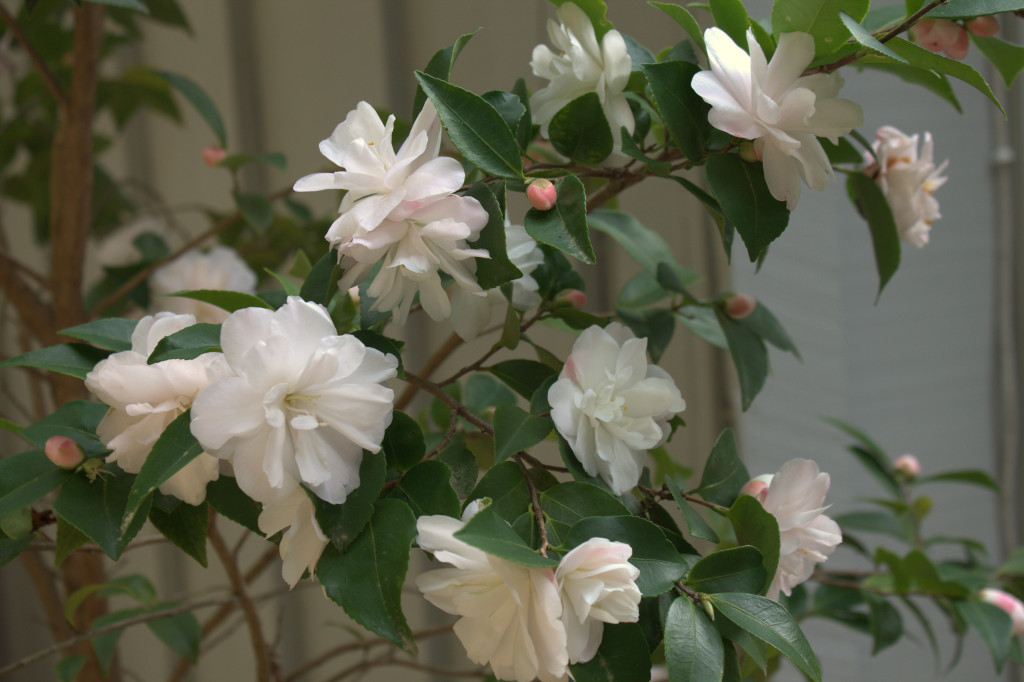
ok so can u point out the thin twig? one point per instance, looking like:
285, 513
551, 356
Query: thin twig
536, 463
538, 513
479, 363
435, 390
51, 81
429, 367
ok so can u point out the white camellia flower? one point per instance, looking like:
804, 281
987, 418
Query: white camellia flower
510, 614
145, 398
304, 542
611, 406
219, 268
400, 211
794, 496
583, 66
908, 181
471, 311
598, 586
774, 105
304, 405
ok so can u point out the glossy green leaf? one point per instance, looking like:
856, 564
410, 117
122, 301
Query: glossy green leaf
475, 128
703, 322
622, 657
742, 192
229, 501
573, 501
991, 623
724, 473
580, 130
872, 205
367, 579
74, 359
756, 527
975, 8
77, 420
522, 376
683, 17
516, 430
1007, 58
738, 569
181, 633
403, 442
342, 523
497, 269
731, 17
175, 448
749, 356
972, 476
198, 98
885, 622
112, 333
491, 533
225, 300
96, 509
26, 477
769, 622
505, 486
321, 283
864, 37
483, 392
684, 112
659, 563
763, 323
185, 527
565, 226
695, 523
645, 245
427, 489
465, 470
440, 66
188, 343
693, 647
69, 539
820, 18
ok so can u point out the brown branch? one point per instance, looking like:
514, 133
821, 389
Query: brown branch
429, 367
34, 313
140, 276
435, 390
479, 363
538, 513
51, 81
536, 463
264, 669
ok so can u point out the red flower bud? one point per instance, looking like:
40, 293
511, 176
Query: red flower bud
63, 451
575, 297
983, 26
542, 194
740, 305
212, 156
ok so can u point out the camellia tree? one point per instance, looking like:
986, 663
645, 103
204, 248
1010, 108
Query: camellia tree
558, 546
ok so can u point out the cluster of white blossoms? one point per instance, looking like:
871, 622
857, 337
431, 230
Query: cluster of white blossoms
611, 406
400, 212
795, 497
584, 66
908, 180
528, 622
144, 399
220, 268
773, 104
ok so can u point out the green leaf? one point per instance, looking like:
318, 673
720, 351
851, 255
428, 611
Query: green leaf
256, 209
742, 192
497, 269
175, 448
820, 18
622, 657
367, 579
516, 430
695, 523
693, 647
225, 300
726, 229
188, 343
684, 112
229, 501
236, 161
703, 322
427, 489
738, 569
731, 17
26, 477
440, 66
464, 469
864, 37
96, 509
769, 622
8, 425
1007, 58
756, 527
595, 11
645, 245
580, 130
763, 323
505, 486
200, 100
930, 80
475, 128
1014, 564
69, 539
524, 131
403, 442
565, 226
181, 633
16, 524
185, 527
991, 623
68, 667
683, 17
74, 359
973, 476
724, 473
522, 376
975, 8
321, 283
112, 333
659, 563
749, 356
342, 523
77, 420
872, 205
487, 531
573, 501
885, 622
483, 392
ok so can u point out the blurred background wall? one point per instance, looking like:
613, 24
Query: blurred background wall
919, 370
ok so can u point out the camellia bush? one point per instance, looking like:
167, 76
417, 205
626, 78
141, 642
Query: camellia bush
565, 538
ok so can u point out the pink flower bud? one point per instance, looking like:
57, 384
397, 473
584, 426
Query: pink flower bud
212, 156
907, 465
740, 305
1007, 602
63, 451
921, 33
747, 152
757, 487
575, 297
983, 26
958, 48
542, 194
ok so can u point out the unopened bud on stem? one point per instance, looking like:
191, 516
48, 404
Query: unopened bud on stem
212, 156
542, 194
63, 451
983, 26
908, 465
740, 305
576, 298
